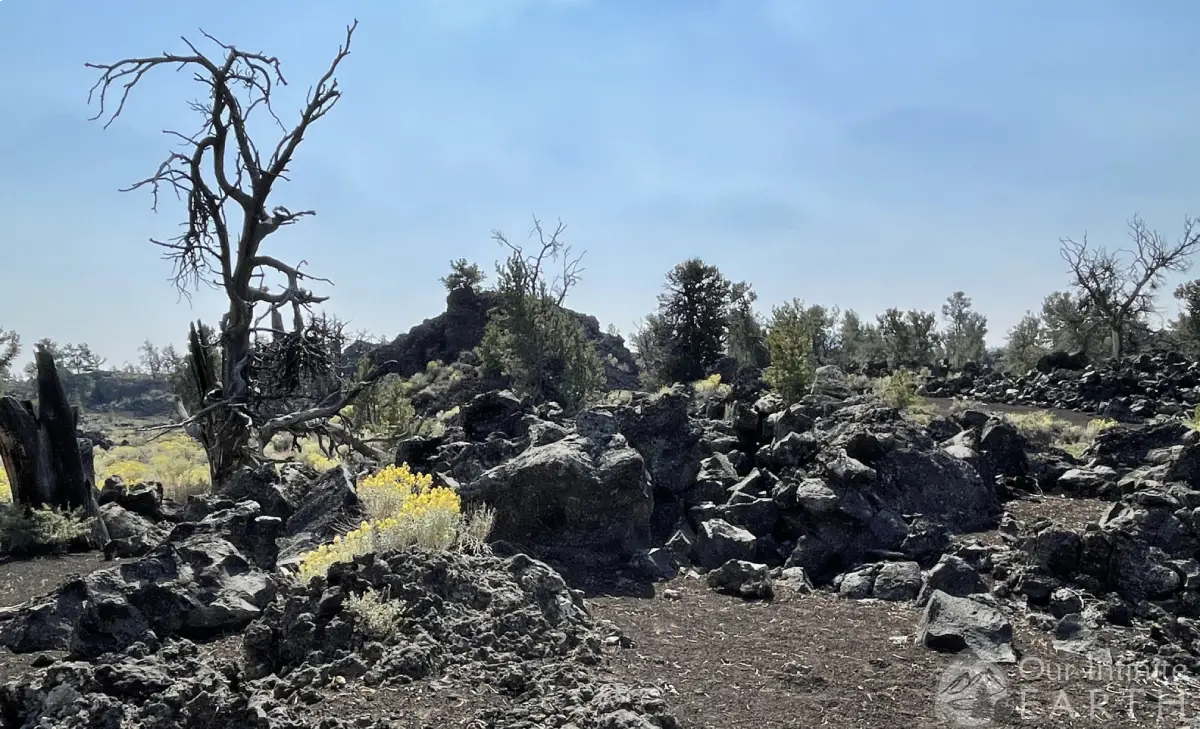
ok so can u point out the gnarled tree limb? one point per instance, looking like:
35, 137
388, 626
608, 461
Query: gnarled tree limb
226, 183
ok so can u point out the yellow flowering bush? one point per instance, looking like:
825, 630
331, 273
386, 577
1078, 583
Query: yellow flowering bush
387, 492
1044, 428
318, 461
711, 385
304, 450
403, 509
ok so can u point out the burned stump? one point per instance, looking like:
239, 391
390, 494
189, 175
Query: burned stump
47, 463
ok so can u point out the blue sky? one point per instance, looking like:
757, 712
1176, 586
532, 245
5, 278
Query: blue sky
853, 153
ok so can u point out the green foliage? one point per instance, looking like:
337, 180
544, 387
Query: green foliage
1068, 324
1187, 327
543, 350
1193, 422
35, 530
858, 341
909, 338
79, 359
650, 347
157, 362
383, 411
899, 390
375, 615
964, 339
1026, 343
745, 339
822, 320
693, 315
789, 340
463, 275
530, 337
10, 349
1045, 429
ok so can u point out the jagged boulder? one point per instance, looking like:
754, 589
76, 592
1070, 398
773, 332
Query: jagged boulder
196, 587
580, 493
320, 510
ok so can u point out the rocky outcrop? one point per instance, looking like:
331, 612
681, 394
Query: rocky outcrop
196, 586
460, 329
509, 627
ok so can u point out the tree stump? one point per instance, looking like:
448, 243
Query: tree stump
47, 464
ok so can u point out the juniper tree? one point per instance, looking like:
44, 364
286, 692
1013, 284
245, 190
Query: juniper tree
694, 311
1025, 344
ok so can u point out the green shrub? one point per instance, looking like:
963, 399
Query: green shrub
463, 275
899, 390
789, 340
36, 530
383, 411
530, 337
375, 616
544, 351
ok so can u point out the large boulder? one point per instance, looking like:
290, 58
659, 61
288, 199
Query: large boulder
1060, 360
197, 587
935, 484
830, 381
659, 429
579, 492
960, 624
321, 509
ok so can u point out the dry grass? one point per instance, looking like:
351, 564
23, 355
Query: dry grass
1047, 430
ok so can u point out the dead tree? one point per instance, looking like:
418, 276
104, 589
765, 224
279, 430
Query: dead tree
1120, 292
47, 463
227, 183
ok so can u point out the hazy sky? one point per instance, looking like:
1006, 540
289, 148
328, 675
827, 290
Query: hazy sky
852, 153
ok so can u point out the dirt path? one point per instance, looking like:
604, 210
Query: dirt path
821, 660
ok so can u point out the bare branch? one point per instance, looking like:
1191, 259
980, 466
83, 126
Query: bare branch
226, 185
1123, 292
330, 406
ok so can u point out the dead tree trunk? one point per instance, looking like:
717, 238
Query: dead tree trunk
47, 464
225, 431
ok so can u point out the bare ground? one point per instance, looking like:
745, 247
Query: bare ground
22, 580
821, 660
800, 660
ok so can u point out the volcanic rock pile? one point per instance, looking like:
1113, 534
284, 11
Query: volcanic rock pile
1137, 388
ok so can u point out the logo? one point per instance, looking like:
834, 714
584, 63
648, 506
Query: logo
969, 691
